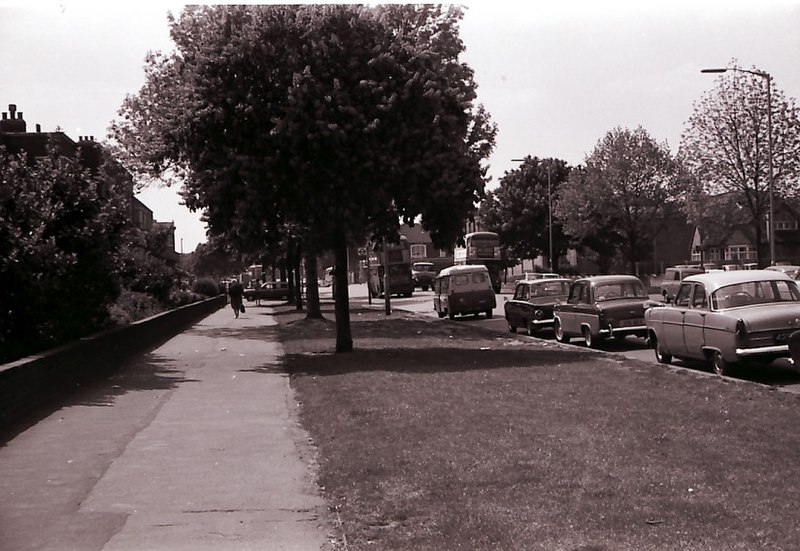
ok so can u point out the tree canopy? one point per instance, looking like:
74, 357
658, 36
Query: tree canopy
616, 202
343, 120
725, 145
519, 210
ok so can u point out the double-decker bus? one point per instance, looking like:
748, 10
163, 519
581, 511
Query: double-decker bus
482, 247
399, 269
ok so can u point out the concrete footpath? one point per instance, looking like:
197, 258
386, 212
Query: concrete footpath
193, 446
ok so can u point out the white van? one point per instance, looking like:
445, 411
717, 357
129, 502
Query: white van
463, 290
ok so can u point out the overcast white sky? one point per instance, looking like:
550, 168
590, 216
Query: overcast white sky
555, 76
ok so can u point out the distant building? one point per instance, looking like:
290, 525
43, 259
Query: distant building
14, 136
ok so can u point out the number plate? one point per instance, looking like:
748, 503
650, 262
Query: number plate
631, 323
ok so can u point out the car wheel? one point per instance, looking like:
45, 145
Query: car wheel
488, 314
560, 335
531, 328
661, 357
720, 364
451, 315
511, 327
591, 342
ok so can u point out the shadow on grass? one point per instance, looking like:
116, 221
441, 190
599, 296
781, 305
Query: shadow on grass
426, 360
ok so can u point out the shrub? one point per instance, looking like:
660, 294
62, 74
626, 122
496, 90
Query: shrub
206, 286
132, 306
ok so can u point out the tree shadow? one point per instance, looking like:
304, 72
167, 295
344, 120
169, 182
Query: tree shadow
427, 360
107, 381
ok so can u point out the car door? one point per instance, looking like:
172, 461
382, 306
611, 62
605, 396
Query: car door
516, 306
695, 321
569, 313
673, 318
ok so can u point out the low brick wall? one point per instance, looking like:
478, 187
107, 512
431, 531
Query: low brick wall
32, 382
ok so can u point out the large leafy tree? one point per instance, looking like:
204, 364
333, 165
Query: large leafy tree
341, 120
60, 228
725, 145
617, 200
519, 210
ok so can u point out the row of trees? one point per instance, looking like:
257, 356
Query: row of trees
68, 253
618, 201
309, 127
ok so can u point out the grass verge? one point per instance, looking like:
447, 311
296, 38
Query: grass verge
439, 435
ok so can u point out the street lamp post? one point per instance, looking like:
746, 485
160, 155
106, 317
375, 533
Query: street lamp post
768, 78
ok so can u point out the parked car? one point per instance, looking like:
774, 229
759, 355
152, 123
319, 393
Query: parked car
269, 290
790, 270
673, 277
533, 301
602, 307
529, 276
462, 290
423, 275
726, 318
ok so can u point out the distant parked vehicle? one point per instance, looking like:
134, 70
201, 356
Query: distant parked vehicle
464, 290
423, 275
726, 318
533, 302
270, 290
602, 307
673, 277
531, 276
788, 269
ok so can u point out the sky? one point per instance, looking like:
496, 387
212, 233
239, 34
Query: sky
555, 76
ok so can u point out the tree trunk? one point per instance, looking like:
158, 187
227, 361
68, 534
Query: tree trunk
344, 339
289, 265
298, 278
313, 310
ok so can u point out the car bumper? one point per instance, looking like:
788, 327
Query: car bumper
776, 350
622, 331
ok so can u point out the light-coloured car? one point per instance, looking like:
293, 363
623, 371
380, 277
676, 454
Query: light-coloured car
532, 304
464, 290
726, 318
602, 307
532, 276
790, 270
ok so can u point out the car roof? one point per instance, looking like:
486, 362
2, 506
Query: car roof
463, 269
714, 280
544, 281
596, 280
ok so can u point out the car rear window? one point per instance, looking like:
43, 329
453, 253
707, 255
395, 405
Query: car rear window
754, 292
619, 290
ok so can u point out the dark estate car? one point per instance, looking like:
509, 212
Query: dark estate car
270, 290
727, 318
602, 307
423, 275
533, 301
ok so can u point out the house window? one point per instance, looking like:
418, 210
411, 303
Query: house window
696, 256
418, 251
714, 255
443, 253
739, 252
785, 225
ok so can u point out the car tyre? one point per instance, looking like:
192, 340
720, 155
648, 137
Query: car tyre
531, 328
661, 356
488, 314
512, 327
720, 365
560, 335
451, 315
591, 341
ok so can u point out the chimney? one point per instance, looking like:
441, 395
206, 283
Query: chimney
13, 123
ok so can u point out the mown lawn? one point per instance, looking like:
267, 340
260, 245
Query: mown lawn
437, 435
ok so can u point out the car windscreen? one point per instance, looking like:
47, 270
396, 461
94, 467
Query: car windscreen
619, 290
754, 292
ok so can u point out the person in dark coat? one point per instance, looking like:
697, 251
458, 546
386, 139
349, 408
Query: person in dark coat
236, 291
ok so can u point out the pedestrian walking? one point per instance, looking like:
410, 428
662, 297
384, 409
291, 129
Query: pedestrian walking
236, 291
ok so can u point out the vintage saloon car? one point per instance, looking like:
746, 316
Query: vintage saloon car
726, 318
533, 301
602, 307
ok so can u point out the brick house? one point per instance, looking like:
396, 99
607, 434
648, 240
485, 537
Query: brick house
422, 248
